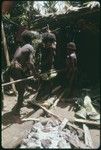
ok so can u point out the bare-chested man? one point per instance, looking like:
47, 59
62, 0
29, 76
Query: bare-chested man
21, 67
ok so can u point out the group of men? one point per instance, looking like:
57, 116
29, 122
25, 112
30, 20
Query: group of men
30, 62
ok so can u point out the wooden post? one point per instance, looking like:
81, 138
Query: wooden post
5, 45
6, 52
87, 121
88, 139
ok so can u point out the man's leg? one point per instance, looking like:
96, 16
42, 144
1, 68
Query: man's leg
20, 87
17, 107
8, 89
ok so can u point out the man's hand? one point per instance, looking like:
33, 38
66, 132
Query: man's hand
16, 65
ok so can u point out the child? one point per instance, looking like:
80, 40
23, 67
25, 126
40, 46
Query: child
71, 63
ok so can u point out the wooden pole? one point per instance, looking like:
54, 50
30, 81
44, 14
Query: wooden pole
56, 116
5, 45
16, 81
88, 138
20, 80
87, 122
6, 52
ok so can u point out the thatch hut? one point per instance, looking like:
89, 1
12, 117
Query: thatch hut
81, 24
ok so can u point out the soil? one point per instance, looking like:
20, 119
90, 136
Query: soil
64, 110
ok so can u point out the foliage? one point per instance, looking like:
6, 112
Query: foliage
76, 2
20, 17
23, 12
73, 3
50, 6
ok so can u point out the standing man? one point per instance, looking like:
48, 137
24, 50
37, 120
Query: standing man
45, 54
21, 67
45, 57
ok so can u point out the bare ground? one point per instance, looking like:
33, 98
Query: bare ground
13, 128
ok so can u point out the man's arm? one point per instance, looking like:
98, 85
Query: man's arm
38, 57
73, 61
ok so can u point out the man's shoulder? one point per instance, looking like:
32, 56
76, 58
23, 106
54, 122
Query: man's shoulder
28, 46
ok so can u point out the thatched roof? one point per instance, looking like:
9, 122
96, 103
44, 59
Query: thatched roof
72, 15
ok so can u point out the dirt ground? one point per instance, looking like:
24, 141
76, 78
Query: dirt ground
64, 110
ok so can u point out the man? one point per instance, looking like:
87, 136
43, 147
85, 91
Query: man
71, 63
21, 67
45, 57
45, 54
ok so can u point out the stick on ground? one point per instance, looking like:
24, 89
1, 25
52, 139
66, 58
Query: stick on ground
87, 121
88, 139
57, 117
